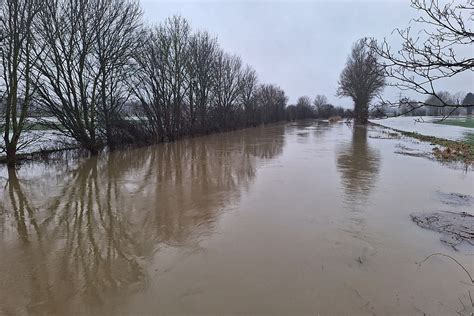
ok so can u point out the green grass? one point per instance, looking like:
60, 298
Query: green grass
31, 127
469, 139
37, 127
450, 150
463, 122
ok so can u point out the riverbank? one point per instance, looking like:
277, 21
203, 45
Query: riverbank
42, 147
445, 150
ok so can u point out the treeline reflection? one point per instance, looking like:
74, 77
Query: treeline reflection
83, 234
359, 165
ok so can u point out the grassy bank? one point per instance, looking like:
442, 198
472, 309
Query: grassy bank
463, 122
43, 154
445, 149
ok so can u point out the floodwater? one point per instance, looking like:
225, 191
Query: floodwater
425, 125
297, 219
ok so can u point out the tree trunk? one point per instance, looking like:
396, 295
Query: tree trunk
361, 113
11, 155
92, 148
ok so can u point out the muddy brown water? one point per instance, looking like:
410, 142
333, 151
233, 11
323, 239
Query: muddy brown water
296, 219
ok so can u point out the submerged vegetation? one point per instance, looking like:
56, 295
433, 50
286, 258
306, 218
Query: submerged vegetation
447, 150
464, 122
444, 150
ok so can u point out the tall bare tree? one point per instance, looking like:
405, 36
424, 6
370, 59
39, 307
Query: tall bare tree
201, 56
434, 48
249, 89
304, 108
362, 79
69, 85
227, 88
320, 100
271, 101
118, 38
162, 80
17, 79
85, 47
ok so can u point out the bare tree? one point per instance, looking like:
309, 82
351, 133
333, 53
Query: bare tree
320, 103
17, 78
85, 49
271, 102
201, 56
69, 80
436, 47
117, 40
303, 108
162, 80
435, 104
362, 79
174, 40
320, 100
88, 58
227, 88
149, 84
249, 88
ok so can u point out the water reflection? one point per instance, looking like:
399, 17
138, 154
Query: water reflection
359, 165
322, 128
81, 239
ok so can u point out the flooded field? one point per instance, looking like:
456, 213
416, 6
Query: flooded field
297, 219
426, 125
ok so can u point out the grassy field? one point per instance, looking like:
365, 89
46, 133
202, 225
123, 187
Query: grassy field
31, 127
469, 138
462, 121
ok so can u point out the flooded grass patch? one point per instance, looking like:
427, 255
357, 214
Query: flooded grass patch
412, 152
455, 228
386, 134
445, 150
463, 122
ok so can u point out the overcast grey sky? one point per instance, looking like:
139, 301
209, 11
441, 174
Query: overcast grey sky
301, 46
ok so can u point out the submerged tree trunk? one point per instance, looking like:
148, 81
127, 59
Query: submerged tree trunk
93, 149
361, 113
11, 156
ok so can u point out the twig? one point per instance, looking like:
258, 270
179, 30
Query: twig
457, 262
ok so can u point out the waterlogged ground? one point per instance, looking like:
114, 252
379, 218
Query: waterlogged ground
295, 219
440, 127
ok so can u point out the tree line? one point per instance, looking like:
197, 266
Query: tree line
108, 79
462, 104
318, 108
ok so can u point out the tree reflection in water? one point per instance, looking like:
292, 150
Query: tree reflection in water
359, 165
83, 237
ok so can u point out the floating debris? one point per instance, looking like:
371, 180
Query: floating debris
455, 227
455, 199
386, 134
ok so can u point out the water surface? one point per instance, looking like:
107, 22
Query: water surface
301, 218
